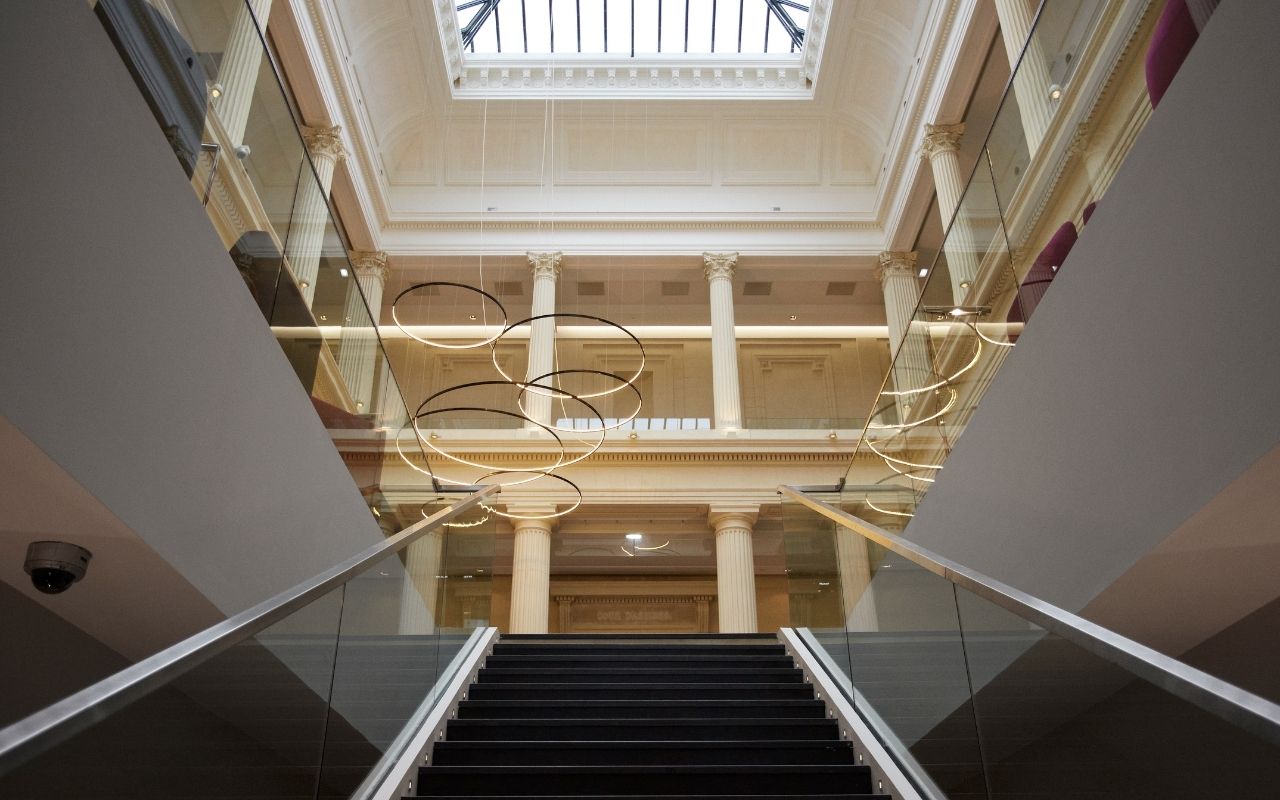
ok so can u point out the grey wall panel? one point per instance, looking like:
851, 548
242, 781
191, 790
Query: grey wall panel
130, 350
1147, 380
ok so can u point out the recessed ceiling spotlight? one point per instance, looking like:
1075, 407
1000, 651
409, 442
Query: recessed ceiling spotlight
633, 435
215, 91
831, 435
924, 272
793, 318
343, 272
1055, 92
965, 284
435, 436
473, 317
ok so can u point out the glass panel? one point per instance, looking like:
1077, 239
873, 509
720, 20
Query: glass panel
250, 722
1059, 722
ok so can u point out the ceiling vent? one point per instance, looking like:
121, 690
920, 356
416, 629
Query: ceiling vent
509, 288
590, 289
675, 288
841, 288
757, 288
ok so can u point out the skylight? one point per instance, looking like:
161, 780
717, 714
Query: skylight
631, 28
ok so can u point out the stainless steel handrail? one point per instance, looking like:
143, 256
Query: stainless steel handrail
69, 716
1233, 704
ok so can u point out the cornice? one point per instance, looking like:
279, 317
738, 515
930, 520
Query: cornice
633, 224
603, 458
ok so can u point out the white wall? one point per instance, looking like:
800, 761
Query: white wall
130, 351
1147, 380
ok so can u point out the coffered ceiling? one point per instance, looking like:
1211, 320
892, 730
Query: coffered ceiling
449, 173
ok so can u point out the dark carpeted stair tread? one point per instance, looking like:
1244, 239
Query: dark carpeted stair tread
640, 709
559, 781
642, 753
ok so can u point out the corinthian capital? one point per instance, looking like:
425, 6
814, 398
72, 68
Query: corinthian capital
894, 263
941, 139
370, 264
719, 265
545, 265
325, 142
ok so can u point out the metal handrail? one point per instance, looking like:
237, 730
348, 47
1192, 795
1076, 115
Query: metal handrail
73, 714
1233, 704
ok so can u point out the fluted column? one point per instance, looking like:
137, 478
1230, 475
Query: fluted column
941, 146
855, 581
1200, 11
727, 397
1031, 82
421, 586
311, 208
542, 333
531, 571
735, 567
238, 72
897, 274
358, 355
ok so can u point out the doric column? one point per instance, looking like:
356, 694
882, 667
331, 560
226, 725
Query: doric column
719, 269
897, 274
358, 354
421, 584
531, 571
542, 333
855, 581
941, 146
735, 567
238, 72
1031, 82
311, 208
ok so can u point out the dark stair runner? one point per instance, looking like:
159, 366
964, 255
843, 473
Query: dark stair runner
634, 716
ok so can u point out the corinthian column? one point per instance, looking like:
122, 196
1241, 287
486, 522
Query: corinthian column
311, 209
358, 355
421, 584
542, 333
897, 274
719, 269
941, 146
531, 571
238, 72
735, 567
1031, 82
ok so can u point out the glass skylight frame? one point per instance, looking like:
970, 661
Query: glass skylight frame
790, 74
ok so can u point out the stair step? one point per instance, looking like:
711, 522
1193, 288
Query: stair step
640, 709
640, 675
639, 661
675, 648
640, 691
806, 795
637, 637
628, 781
642, 753
564, 730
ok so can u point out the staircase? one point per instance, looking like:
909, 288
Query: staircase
636, 716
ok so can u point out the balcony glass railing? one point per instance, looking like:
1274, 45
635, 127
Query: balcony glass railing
982, 691
997, 258
211, 79
300, 696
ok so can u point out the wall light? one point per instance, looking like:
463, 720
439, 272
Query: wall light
1055, 92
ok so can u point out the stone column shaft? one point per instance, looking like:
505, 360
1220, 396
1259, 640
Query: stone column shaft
311, 208
238, 72
542, 333
418, 597
735, 569
911, 369
726, 394
358, 355
1031, 83
855, 582
941, 146
531, 573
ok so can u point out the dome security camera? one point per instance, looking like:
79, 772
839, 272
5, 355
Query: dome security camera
54, 566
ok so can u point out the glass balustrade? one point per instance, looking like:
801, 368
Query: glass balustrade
996, 261
989, 704
304, 708
210, 76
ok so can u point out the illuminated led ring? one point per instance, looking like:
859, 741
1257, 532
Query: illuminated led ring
429, 284
560, 461
977, 352
531, 320
986, 338
887, 458
903, 426
563, 480
472, 524
527, 386
875, 507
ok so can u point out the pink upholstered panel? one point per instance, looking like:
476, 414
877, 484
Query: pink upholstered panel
1174, 36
